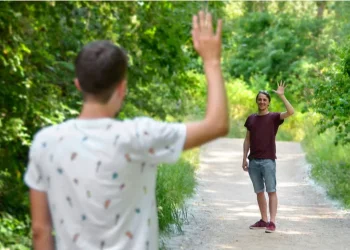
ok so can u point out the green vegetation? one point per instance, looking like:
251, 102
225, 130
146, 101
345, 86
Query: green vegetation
304, 43
14, 232
176, 183
330, 163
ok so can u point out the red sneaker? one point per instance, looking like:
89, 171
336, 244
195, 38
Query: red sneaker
270, 228
259, 225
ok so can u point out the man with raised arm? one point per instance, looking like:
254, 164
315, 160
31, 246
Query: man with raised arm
260, 143
92, 179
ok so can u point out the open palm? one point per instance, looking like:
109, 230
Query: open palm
280, 88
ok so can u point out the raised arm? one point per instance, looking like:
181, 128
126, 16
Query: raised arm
289, 107
208, 45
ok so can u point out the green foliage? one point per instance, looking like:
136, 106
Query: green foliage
330, 163
332, 95
175, 183
270, 44
14, 232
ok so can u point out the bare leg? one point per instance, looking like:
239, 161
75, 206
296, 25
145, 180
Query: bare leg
262, 205
273, 201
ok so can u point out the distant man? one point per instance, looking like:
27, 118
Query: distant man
260, 140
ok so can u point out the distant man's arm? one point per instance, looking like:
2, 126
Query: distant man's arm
246, 146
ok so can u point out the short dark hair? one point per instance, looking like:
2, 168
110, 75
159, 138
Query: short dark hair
100, 66
265, 93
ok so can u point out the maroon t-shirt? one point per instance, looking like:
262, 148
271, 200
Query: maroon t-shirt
263, 130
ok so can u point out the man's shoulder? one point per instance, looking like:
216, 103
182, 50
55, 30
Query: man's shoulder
251, 116
148, 122
47, 131
275, 115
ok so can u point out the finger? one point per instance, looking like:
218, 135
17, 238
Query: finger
219, 29
195, 26
195, 22
195, 30
201, 20
209, 23
195, 39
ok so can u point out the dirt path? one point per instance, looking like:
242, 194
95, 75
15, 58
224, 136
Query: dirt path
225, 205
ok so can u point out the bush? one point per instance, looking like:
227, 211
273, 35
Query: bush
175, 183
330, 163
14, 233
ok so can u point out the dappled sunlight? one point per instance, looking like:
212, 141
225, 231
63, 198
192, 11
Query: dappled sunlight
223, 174
226, 181
228, 218
246, 214
223, 153
216, 161
302, 217
236, 209
235, 201
293, 232
291, 184
289, 157
242, 183
289, 209
220, 204
209, 191
225, 247
251, 207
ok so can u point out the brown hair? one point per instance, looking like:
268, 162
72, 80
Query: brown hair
100, 66
265, 93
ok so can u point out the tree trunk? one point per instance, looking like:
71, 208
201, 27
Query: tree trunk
320, 9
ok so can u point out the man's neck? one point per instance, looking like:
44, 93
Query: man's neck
95, 111
263, 112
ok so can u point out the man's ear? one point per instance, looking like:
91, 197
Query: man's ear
122, 88
77, 84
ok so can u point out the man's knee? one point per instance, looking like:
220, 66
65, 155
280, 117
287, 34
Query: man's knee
272, 194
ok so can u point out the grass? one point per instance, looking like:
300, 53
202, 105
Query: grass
330, 163
175, 184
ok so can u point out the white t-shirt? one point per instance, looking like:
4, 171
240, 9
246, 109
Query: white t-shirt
100, 178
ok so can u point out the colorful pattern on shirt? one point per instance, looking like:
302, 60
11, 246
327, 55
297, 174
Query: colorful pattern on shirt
100, 179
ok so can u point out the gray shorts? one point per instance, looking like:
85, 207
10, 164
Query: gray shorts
262, 172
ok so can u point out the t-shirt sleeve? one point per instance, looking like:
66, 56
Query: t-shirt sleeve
33, 176
160, 142
247, 124
278, 120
